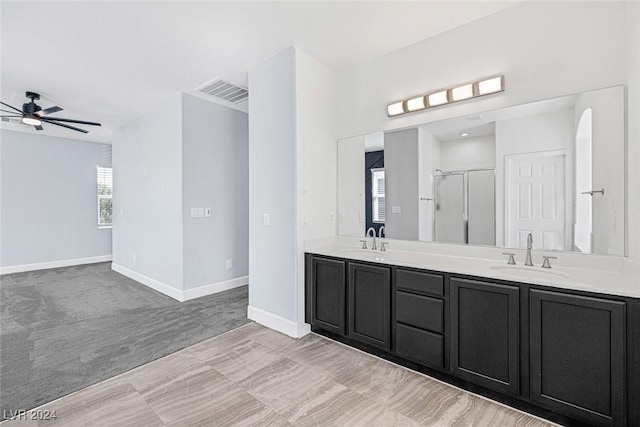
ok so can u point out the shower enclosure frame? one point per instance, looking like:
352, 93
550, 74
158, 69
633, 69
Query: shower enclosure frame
465, 198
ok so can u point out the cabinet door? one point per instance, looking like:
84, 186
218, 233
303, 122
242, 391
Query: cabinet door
370, 304
328, 295
485, 337
577, 356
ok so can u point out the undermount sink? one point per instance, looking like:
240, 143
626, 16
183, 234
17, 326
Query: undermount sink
529, 272
369, 254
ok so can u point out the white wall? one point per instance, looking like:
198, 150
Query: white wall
272, 187
48, 199
215, 155
401, 184
351, 200
147, 214
469, 153
429, 159
545, 49
292, 177
316, 159
541, 132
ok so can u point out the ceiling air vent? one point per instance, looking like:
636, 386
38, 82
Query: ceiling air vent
225, 90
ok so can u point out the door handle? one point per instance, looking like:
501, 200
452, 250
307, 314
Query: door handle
592, 192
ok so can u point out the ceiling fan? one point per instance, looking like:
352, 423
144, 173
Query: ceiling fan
32, 115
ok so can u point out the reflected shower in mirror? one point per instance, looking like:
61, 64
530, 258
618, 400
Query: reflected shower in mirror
552, 168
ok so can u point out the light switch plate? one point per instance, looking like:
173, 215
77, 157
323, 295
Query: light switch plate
229, 264
396, 209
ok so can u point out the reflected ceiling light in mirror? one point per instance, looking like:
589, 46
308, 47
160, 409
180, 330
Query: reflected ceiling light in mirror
438, 98
416, 104
464, 134
395, 109
461, 92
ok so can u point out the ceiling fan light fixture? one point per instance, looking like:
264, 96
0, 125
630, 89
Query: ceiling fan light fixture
31, 120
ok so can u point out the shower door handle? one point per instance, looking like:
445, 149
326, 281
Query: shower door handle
592, 192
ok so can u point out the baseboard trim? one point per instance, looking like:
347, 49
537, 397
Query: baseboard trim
154, 284
179, 294
214, 288
54, 264
277, 323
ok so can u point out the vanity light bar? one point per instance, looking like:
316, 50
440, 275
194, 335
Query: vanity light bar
482, 87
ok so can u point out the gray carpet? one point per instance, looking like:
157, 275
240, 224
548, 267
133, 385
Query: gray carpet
66, 328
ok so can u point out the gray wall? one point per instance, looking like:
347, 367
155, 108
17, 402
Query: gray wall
48, 199
272, 183
401, 183
147, 220
215, 144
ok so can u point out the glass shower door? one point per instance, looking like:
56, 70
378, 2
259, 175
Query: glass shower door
449, 206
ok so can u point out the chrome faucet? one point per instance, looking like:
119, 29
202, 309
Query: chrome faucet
528, 262
371, 232
380, 231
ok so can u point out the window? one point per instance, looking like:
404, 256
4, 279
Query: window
377, 195
105, 196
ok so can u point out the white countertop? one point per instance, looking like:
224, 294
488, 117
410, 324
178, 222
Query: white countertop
605, 281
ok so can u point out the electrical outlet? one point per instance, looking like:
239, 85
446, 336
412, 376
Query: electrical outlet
265, 219
135, 258
229, 264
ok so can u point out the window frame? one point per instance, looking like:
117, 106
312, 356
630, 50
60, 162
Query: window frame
104, 196
375, 196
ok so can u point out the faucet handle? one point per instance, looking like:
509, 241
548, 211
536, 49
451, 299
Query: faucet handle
364, 244
545, 263
382, 246
512, 260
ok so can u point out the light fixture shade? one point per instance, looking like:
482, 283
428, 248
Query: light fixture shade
438, 98
462, 92
31, 121
396, 108
492, 85
416, 104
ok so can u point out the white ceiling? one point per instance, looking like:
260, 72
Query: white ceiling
113, 61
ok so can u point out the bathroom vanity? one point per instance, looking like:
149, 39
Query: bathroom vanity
561, 343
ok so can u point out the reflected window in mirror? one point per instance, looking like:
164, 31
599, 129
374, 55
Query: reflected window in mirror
377, 196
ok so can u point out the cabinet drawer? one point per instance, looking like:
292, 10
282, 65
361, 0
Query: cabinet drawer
422, 283
420, 311
420, 346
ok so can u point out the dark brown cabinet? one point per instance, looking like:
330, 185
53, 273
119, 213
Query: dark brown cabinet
568, 355
369, 305
328, 295
485, 336
577, 356
420, 317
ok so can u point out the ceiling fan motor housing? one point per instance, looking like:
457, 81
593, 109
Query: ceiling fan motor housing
31, 107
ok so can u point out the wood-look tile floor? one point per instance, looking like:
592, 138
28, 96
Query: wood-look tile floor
253, 376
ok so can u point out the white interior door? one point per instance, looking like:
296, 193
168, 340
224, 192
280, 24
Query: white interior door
536, 190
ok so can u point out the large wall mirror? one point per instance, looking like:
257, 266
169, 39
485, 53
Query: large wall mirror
552, 168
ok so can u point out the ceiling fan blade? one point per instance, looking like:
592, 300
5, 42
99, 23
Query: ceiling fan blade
13, 108
81, 122
48, 111
14, 116
38, 127
66, 126
7, 111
